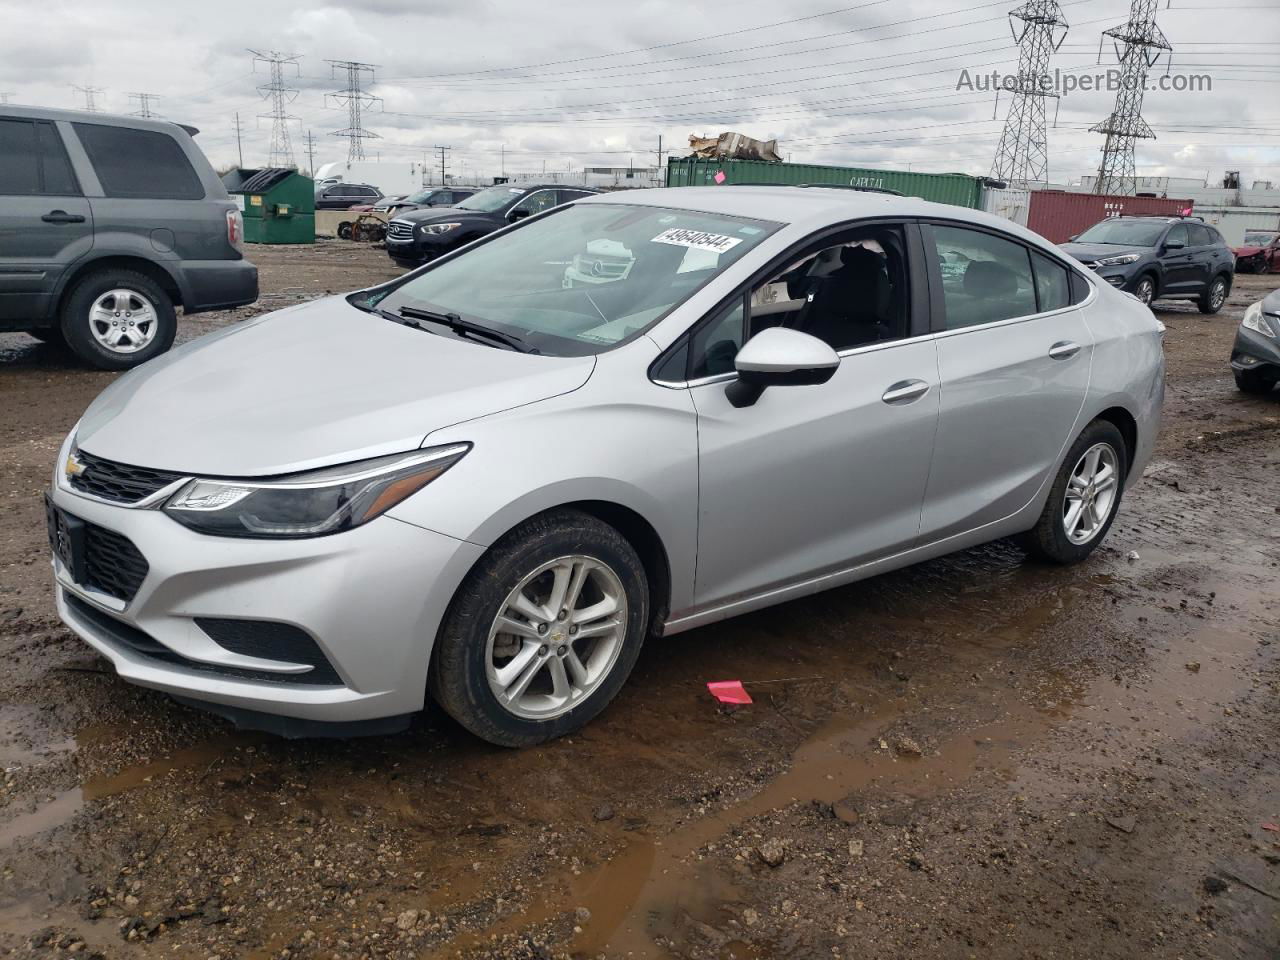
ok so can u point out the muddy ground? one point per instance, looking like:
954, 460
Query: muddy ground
978, 757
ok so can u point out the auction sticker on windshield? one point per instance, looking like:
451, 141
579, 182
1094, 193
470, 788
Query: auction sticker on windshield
697, 239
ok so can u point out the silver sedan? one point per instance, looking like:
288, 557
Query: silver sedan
491, 480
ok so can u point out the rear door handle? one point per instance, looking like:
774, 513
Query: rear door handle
1064, 350
905, 391
61, 216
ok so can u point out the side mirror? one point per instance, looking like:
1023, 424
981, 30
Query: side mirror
1073, 238
1174, 245
778, 357
519, 213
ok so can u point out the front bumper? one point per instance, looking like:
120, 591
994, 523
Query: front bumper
421, 247
1253, 351
371, 598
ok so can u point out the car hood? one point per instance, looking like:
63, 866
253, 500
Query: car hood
1096, 251
433, 214
1246, 251
317, 384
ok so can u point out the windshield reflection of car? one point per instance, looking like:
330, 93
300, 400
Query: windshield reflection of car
540, 284
1259, 238
1122, 233
491, 199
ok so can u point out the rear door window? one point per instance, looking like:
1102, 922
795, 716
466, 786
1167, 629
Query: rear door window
139, 163
985, 278
19, 158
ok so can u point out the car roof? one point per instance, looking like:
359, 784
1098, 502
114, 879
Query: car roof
85, 116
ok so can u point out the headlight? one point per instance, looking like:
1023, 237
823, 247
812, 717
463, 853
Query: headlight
440, 227
1116, 261
1256, 320
309, 504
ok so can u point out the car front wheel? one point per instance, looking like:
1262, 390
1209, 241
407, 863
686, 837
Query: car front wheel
117, 319
1145, 290
544, 632
1084, 498
1211, 300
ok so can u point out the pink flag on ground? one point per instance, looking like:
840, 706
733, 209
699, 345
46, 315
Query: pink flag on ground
721, 178
729, 691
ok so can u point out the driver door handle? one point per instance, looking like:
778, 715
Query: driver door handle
1064, 350
905, 391
61, 216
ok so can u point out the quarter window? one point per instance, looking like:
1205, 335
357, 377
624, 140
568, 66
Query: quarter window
1053, 287
985, 278
139, 163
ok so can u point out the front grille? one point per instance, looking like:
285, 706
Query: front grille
112, 564
269, 640
120, 634
400, 230
118, 482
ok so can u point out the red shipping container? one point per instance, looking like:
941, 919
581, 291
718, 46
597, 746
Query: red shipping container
1058, 215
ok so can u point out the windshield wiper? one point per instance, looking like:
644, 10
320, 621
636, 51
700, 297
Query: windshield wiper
461, 327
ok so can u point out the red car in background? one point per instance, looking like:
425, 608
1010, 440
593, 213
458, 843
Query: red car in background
1260, 252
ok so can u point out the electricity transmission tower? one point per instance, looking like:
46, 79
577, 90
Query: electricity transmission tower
356, 101
144, 104
281, 152
1022, 155
90, 97
1143, 45
443, 170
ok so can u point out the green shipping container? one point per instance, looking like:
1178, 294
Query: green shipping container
958, 189
278, 204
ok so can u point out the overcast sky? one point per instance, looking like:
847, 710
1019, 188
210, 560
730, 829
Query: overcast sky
570, 82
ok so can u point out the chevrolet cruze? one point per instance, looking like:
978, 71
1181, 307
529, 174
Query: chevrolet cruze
489, 483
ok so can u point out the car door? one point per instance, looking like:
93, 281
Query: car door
45, 223
811, 479
1205, 259
1014, 358
1178, 262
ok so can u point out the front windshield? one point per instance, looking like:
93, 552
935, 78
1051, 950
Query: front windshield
1124, 233
491, 199
1258, 239
577, 281
422, 196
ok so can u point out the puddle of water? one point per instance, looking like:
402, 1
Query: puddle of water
17, 747
48, 815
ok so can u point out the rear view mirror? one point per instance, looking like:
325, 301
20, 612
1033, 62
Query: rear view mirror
778, 357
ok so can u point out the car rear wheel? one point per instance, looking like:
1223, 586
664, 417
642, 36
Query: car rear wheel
117, 319
1084, 498
1212, 299
1264, 266
1145, 290
1252, 381
544, 632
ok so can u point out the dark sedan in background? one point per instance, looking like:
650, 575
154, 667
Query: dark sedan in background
344, 196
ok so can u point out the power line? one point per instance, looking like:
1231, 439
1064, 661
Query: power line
280, 153
1144, 44
144, 104
90, 97
356, 101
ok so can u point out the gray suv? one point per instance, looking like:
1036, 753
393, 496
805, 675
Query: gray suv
107, 224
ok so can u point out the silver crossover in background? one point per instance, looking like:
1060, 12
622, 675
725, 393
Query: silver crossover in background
636, 414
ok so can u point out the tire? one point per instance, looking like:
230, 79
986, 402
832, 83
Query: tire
1048, 540
50, 335
1264, 266
107, 297
1252, 381
1145, 289
472, 651
1215, 295
344, 231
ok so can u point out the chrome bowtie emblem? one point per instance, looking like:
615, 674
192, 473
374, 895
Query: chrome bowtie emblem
73, 466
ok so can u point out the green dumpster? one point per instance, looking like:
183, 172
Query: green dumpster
278, 203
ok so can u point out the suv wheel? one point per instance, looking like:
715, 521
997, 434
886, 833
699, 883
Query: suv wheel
1084, 498
1252, 381
544, 632
1212, 299
117, 319
1145, 290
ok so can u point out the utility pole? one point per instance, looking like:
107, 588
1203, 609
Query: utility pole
1143, 44
239, 148
356, 101
144, 104
504, 160
659, 178
280, 153
311, 154
443, 151
1022, 156
90, 97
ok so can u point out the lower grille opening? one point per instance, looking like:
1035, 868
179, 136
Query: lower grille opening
129, 637
268, 640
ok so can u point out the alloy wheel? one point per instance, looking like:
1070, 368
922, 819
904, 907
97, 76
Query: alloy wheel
1146, 292
1091, 493
1218, 294
556, 637
123, 321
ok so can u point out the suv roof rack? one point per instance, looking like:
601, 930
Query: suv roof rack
823, 186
